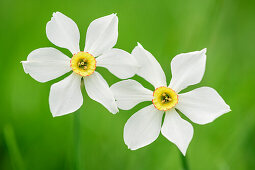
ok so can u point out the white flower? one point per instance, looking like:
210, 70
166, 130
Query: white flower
45, 64
202, 105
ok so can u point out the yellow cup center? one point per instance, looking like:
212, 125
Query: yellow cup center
83, 63
164, 98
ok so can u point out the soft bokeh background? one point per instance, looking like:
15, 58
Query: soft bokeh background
30, 138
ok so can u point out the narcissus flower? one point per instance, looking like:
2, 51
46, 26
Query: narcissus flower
45, 64
202, 105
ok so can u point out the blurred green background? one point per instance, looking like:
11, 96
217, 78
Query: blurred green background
30, 138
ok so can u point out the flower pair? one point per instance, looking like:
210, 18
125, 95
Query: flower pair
201, 105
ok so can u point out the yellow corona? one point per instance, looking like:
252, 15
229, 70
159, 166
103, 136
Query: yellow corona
164, 98
83, 63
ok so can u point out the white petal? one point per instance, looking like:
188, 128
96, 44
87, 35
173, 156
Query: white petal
46, 64
129, 93
118, 62
177, 130
202, 105
65, 96
187, 69
63, 32
98, 90
102, 35
150, 69
143, 127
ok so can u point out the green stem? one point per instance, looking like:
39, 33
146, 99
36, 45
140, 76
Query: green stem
184, 162
76, 128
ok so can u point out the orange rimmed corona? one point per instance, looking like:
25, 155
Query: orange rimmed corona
164, 98
83, 63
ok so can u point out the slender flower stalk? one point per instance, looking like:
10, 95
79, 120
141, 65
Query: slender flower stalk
77, 141
184, 161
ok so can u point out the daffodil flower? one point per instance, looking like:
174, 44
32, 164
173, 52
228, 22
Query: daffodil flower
45, 64
202, 105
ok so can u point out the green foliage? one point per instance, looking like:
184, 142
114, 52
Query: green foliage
31, 138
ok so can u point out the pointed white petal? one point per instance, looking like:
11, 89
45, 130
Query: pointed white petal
102, 35
118, 62
202, 105
143, 127
129, 93
98, 90
65, 96
63, 32
177, 130
46, 64
150, 69
187, 69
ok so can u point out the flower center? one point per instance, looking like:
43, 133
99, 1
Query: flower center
83, 63
164, 98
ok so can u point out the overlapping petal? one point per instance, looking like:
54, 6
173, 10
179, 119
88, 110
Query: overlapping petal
102, 35
202, 105
143, 127
187, 69
149, 69
65, 96
177, 130
63, 32
118, 62
129, 93
98, 90
45, 64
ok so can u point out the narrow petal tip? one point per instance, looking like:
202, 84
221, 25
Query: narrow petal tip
132, 148
228, 109
55, 113
183, 152
114, 15
24, 62
115, 111
53, 15
24, 66
56, 13
139, 45
204, 50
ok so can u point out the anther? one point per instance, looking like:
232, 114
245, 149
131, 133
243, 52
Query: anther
168, 99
